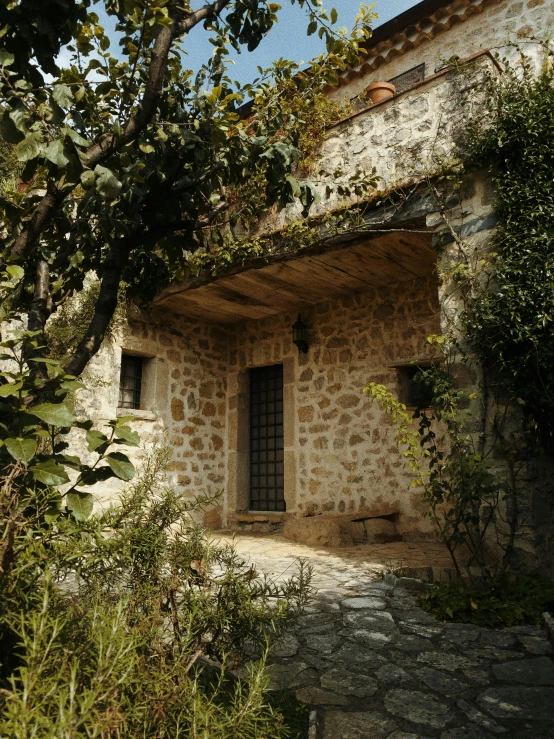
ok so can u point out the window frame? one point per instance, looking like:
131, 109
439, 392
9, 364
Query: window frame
135, 386
405, 384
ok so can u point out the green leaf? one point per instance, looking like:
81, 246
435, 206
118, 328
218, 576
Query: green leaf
128, 435
93, 64
54, 152
107, 184
90, 476
10, 388
23, 450
296, 191
121, 466
146, 148
50, 473
76, 137
52, 513
29, 148
71, 386
95, 439
71, 461
15, 271
9, 131
122, 421
19, 115
87, 179
54, 506
6, 59
80, 504
63, 96
56, 414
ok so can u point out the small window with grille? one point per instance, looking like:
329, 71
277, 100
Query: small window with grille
409, 78
130, 382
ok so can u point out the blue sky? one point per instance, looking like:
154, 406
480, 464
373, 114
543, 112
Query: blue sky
288, 39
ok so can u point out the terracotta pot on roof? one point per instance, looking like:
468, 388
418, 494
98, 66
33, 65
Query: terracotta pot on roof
378, 91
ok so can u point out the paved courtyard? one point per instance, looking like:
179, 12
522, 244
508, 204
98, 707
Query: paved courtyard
375, 666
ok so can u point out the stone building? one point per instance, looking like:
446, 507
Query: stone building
287, 434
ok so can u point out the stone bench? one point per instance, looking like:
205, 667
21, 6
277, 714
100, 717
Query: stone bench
365, 526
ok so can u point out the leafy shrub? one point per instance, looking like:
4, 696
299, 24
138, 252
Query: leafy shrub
461, 493
522, 600
127, 621
510, 325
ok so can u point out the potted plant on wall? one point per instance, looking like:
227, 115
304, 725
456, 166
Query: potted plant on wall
378, 91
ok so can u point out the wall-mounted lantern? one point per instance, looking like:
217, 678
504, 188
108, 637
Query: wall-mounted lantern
300, 335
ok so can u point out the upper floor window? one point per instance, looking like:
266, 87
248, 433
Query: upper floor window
409, 78
130, 383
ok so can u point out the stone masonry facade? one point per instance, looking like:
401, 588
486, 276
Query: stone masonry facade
340, 453
183, 399
462, 28
340, 458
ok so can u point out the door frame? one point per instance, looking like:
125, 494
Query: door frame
237, 493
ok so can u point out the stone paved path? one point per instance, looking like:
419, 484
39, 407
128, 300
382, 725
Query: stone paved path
374, 666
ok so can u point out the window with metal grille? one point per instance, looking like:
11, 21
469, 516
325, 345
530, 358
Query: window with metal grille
408, 79
267, 482
130, 381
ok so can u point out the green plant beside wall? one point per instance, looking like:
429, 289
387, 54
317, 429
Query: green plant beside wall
463, 496
10, 167
509, 322
126, 621
511, 601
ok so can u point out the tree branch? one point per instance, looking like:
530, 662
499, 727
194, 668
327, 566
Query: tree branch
36, 223
211, 10
116, 261
114, 265
137, 122
41, 306
39, 313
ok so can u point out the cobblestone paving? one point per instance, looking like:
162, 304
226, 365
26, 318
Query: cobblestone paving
375, 666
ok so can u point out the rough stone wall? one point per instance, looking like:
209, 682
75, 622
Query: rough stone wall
400, 139
498, 24
182, 401
344, 455
410, 135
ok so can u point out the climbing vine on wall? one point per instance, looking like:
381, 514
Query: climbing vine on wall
232, 250
510, 320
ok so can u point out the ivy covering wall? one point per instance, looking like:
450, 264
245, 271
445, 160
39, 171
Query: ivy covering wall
510, 320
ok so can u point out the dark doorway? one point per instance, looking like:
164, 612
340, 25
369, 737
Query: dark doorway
267, 484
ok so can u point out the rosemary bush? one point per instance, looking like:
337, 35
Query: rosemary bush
128, 624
